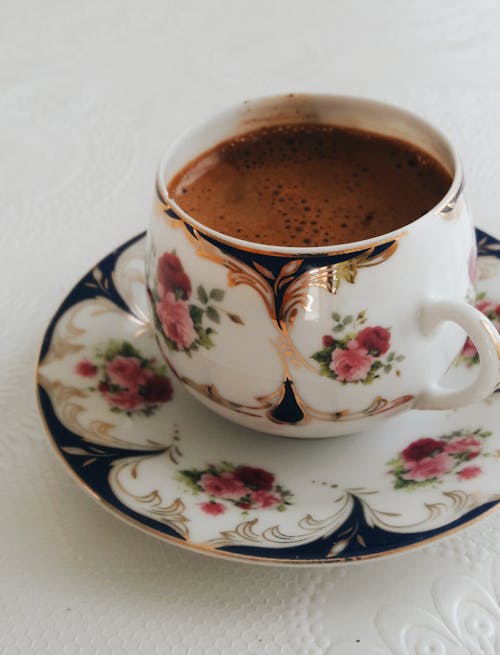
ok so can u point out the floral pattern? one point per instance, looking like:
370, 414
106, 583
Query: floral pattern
181, 320
431, 461
354, 353
130, 383
490, 308
246, 487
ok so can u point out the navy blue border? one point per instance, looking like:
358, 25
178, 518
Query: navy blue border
95, 477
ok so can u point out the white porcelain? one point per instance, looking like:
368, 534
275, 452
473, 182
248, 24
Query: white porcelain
260, 333
150, 453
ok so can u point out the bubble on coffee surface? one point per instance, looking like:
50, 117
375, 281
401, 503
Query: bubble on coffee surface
309, 185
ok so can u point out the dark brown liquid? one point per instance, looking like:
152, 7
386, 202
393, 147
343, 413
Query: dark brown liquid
309, 185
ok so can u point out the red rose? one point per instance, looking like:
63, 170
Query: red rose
375, 339
86, 369
328, 341
421, 448
157, 389
255, 477
172, 277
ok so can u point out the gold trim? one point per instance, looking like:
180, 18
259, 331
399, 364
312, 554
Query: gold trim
291, 254
493, 335
171, 515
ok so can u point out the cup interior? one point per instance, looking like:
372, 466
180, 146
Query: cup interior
360, 113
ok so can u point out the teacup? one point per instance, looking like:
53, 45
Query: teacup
245, 326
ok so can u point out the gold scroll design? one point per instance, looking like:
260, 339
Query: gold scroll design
265, 404
310, 528
65, 337
328, 278
294, 288
294, 292
151, 504
68, 402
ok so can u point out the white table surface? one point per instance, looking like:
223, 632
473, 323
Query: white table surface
91, 92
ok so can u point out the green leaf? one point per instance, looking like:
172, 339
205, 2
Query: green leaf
213, 314
281, 508
235, 318
322, 356
400, 358
217, 294
391, 356
338, 328
204, 338
347, 320
196, 314
336, 317
202, 294
325, 372
388, 368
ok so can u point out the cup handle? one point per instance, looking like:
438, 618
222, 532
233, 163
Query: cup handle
487, 341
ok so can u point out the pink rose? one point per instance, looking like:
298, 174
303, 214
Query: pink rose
126, 400
375, 339
224, 485
351, 365
213, 508
124, 371
86, 369
428, 467
172, 277
469, 349
176, 321
264, 499
463, 444
469, 472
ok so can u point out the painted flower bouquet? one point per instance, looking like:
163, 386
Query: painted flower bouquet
181, 319
246, 487
354, 353
430, 461
129, 382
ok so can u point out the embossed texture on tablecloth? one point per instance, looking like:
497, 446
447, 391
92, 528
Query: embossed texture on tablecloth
90, 94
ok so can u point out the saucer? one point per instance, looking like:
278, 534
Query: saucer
144, 448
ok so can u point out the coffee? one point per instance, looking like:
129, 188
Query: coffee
309, 185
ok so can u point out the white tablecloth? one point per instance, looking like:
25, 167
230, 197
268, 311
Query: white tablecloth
91, 92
